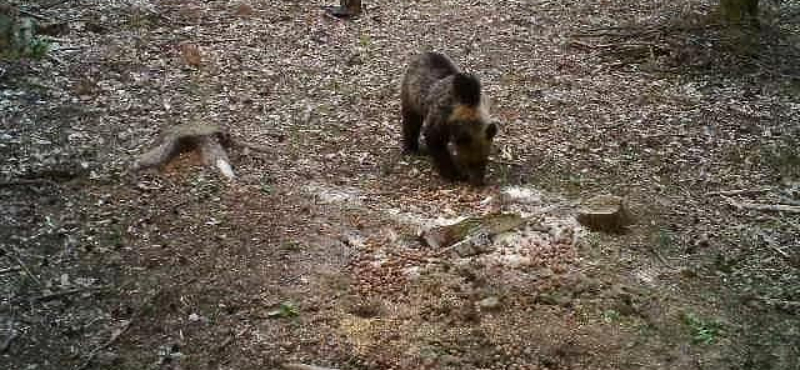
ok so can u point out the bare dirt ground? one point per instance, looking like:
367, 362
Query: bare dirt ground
311, 255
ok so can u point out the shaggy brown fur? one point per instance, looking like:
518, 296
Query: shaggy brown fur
447, 104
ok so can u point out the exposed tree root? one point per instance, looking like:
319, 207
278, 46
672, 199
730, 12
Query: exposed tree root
208, 139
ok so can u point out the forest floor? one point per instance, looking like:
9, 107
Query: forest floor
312, 254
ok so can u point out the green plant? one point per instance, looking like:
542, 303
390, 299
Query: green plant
703, 331
664, 238
610, 316
365, 40
292, 246
38, 48
284, 310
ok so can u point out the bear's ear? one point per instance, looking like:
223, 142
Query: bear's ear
491, 131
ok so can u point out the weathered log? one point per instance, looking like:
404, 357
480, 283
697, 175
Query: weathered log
205, 138
470, 235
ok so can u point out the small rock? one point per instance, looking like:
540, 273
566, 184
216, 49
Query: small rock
194, 317
490, 303
606, 213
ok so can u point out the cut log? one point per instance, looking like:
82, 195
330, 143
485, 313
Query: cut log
472, 235
346, 9
208, 139
605, 213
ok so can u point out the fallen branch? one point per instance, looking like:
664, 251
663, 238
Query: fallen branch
22, 266
470, 228
780, 251
52, 296
295, 366
34, 15
739, 192
762, 207
471, 236
205, 138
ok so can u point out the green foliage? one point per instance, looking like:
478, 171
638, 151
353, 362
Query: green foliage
284, 310
702, 331
38, 48
17, 39
664, 239
610, 316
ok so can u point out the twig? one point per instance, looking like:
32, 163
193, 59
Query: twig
780, 251
23, 266
69, 48
118, 333
763, 207
52, 296
295, 366
10, 269
739, 192
34, 15
55, 59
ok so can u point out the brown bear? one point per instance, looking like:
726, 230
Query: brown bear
447, 104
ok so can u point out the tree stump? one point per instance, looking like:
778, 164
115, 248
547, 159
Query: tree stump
208, 140
346, 9
605, 213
